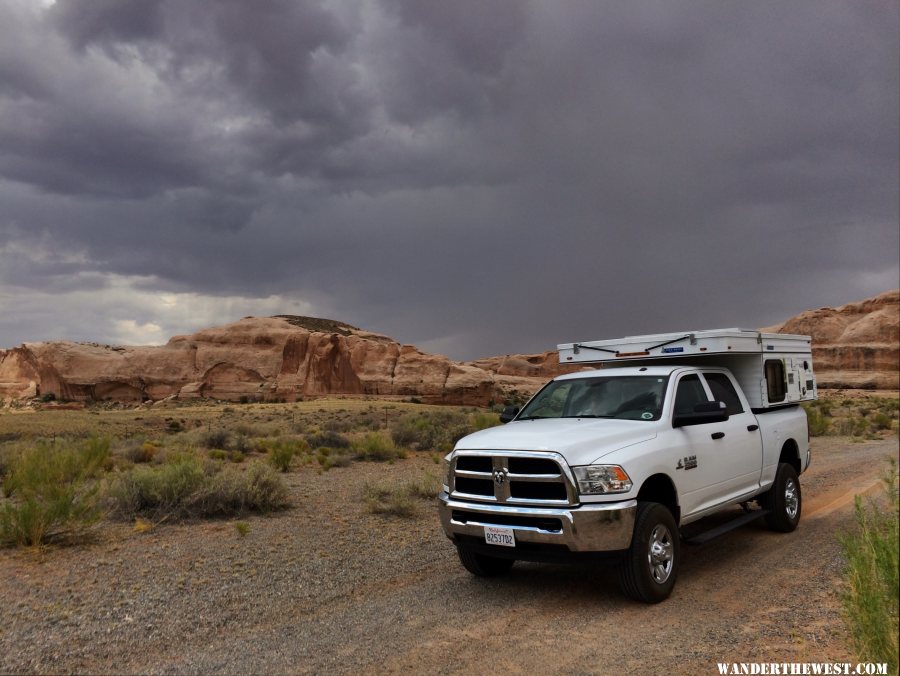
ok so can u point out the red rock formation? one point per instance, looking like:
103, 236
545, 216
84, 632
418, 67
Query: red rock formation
257, 359
286, 357
856, 345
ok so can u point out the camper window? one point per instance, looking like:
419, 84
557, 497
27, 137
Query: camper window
775, 385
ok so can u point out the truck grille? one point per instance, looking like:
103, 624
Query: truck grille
512, 477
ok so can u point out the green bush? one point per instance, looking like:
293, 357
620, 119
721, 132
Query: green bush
282, 452
51, 492
377, 447
851, 427
400, 499
329, 439
881, 421
819, 423
430, 430
185, 488
330, 457
390, 500
482, 421
141, 452
871, 596
216, 439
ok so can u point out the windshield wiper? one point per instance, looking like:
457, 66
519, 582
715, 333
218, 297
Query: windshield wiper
588, 415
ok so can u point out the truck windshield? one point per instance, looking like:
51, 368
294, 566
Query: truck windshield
623, 397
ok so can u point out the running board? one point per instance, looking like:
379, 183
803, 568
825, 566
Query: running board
728, 526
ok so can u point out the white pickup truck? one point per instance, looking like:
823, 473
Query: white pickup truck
616, 461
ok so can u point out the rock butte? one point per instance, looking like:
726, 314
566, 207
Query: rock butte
288, 357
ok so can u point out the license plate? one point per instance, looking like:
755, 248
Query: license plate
495, 535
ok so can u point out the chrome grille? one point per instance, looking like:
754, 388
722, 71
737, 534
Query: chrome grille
512, 477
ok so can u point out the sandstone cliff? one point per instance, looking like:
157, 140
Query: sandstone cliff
856, 345
256, 358
287, 357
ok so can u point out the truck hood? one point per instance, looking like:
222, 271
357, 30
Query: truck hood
581, 441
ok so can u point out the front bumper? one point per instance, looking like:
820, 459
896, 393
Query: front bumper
587, 528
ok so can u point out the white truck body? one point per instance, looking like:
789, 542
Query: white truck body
595, 455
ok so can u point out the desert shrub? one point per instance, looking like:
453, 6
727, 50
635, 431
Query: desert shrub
482, 421
871, 596
330, 457
368, 422
248, 430
400, 499
819, 423
218, 454
326, 438
140, 451
431, 430
259, 489
377, 447
425, 488
339, 426
185, 488
390, 500
51, 492
242, 444
216, 439
282, 452
157, 491
881, 421
851, 427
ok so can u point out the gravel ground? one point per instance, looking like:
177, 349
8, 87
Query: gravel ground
326, 587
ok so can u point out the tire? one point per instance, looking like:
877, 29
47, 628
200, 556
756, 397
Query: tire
651, 563
784, 500
482, 565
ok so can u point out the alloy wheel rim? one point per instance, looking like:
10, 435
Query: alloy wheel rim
791, 499
660, 554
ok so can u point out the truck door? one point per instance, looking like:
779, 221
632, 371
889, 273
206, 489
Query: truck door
740, 449
693, 449
716, 462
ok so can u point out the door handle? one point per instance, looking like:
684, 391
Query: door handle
718, 435
752, 428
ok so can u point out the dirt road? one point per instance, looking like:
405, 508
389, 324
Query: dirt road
329, 588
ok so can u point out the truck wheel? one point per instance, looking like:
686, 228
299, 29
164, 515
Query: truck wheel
784, 500
651, 563
483, 565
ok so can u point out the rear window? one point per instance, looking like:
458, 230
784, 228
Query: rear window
722, 390
775, 385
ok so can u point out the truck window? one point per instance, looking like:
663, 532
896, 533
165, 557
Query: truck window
722, 390
690, 393
622, 397
775, 387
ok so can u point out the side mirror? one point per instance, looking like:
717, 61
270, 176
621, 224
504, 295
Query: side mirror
707, 412
508, 414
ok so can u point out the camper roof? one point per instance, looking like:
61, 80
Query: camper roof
684, 343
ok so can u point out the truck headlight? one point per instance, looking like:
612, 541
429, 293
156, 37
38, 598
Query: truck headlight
447, 473
600, 479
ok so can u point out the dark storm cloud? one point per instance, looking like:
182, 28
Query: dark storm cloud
477, 178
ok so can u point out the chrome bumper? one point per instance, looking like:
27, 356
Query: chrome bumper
588, 528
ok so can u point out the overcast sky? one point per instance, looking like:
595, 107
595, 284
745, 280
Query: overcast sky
475, 178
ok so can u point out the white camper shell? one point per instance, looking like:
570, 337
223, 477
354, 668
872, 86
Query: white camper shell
773, 369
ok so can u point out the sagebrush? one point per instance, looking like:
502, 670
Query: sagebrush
872, 593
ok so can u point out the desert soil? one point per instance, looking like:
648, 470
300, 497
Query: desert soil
327, 587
